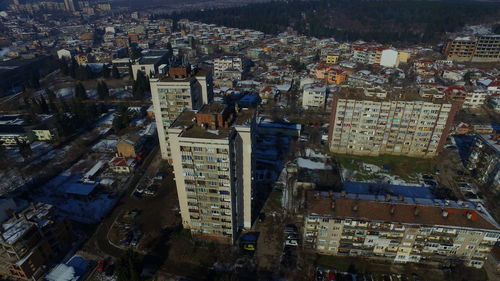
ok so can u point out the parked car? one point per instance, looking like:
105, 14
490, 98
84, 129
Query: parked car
159, 176
291, 242
100, 265
466, 188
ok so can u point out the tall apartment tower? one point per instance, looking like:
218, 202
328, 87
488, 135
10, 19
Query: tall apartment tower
213, 166
70, 5
395, 123
182, 89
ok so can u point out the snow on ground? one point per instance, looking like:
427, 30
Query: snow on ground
66, 93
312, 165
313, 154
372, 168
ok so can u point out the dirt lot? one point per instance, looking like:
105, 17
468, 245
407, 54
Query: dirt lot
377, 268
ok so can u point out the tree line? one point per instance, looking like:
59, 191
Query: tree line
348, 20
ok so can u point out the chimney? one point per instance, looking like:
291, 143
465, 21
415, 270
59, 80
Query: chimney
388, 198
444, 213
416, 211
469, 215
333, 205
392, 210
355, 207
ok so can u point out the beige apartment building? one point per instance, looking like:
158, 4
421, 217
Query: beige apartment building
398, 123
182, 89
213, 166
400, 230
474, 48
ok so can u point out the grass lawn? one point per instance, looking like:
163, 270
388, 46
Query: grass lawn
405, 167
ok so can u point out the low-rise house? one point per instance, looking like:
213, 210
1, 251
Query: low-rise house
121, 165
130, 147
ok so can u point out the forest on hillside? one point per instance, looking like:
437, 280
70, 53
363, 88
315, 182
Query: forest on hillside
409, 21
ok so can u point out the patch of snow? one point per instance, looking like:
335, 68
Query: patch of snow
312, 165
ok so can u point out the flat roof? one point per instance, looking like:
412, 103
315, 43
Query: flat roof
408, 94
196, 73
187, 121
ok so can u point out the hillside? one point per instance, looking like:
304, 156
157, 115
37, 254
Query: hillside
384, 21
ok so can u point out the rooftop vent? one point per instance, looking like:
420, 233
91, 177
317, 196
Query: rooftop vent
444, 213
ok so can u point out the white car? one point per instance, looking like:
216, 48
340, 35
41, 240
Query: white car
290, 242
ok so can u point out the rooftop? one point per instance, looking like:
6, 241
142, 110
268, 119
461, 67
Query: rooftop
193, 74
187, 121
407, 94
403, 210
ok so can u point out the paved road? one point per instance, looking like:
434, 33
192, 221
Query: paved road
99, 242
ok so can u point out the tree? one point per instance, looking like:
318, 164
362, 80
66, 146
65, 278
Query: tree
50, 94
128, 267
102, 90
72, 68
44, 107
80, 92
115, 73
24, 148
140, 86
106, 72
34, 81
122, 117
63, 66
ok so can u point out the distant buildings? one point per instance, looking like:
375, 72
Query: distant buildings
474, 48
150, 62
484, 160
31, 239
401, 230
182, 89
213, 165
394, 123
228, 67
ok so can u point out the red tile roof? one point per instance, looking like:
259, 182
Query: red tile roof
397, 212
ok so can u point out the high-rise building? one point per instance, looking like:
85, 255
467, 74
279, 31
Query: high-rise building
399, 229
70, 5
483, 160
213, 165
182, 89
474, 48
398, 122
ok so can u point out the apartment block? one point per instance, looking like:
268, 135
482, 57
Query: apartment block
399, 230
183, 89
314, 96
400, 123
484, 160
474, 48
30, 240
213, 165
228, 67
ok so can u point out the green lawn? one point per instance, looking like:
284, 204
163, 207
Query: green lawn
405, 167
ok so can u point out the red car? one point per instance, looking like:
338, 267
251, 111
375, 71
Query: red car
331, 276
100, 265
